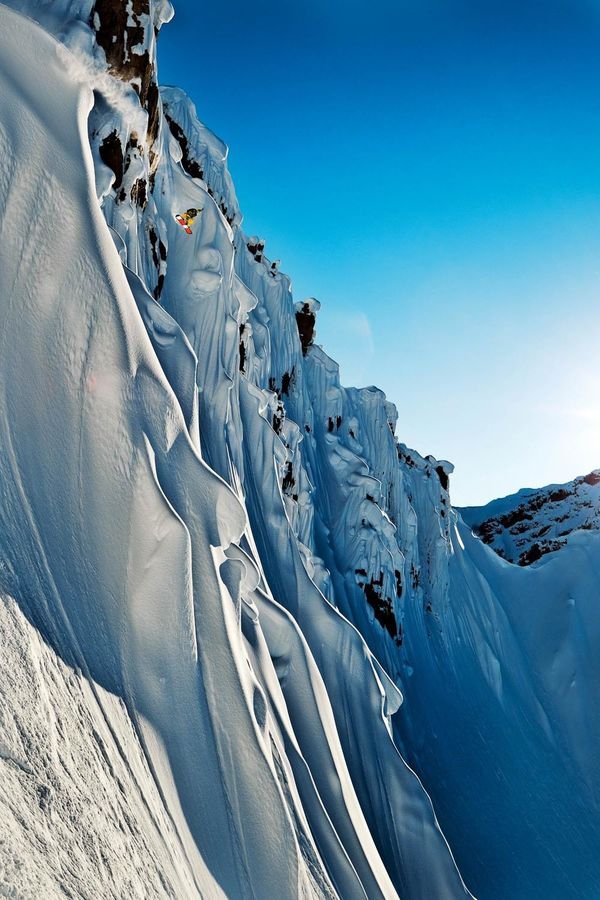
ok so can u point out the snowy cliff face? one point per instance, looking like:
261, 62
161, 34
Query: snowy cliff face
183, 678
221, 569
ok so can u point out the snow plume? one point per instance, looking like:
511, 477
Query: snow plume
87, 69
230, 596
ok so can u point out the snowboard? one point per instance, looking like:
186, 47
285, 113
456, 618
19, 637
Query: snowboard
183, 224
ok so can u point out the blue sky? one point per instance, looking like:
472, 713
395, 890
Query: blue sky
430, 171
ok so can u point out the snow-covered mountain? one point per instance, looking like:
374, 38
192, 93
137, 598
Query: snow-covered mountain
221, 573
533, 522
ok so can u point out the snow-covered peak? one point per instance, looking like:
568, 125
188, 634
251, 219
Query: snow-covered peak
527, 525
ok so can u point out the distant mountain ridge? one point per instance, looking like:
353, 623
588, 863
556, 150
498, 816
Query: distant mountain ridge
525, 526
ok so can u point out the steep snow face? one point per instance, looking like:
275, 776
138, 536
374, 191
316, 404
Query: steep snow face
502, 693
525, 526
114, 531
232, 571
161, 561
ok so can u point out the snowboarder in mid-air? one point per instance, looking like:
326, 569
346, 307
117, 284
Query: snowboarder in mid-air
187, 219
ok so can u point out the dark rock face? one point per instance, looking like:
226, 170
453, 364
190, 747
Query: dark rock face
190, 165
442, 475
117, 38
120, 28
242, 349
111, 154
288, 479
382, 606
305, 319
286, 381
536, 551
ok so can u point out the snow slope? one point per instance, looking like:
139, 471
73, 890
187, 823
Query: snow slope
235, 596
501, 717
133, 561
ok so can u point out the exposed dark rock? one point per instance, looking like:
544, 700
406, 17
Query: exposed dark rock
531, 555
560, 494
153, 109
442, 475
153, 244
190, 165
405, 457
159, 255
398, 576
305, 319
593, 478
138, 192
536, 551
383, 608
278, 419
287, 381
111, 154
288, 479
242, 350
119, 27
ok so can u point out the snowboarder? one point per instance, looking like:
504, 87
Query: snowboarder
187, 219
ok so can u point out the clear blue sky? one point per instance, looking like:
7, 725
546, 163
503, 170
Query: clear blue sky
430, 171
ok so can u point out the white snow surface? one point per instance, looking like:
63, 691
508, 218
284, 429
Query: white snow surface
155, 680
230, 596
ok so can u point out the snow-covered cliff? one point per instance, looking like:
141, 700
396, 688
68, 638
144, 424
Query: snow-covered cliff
221, 570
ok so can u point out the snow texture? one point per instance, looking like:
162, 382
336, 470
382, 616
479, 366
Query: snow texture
230, 596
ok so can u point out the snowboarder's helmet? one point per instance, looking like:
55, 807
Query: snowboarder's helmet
192, 211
